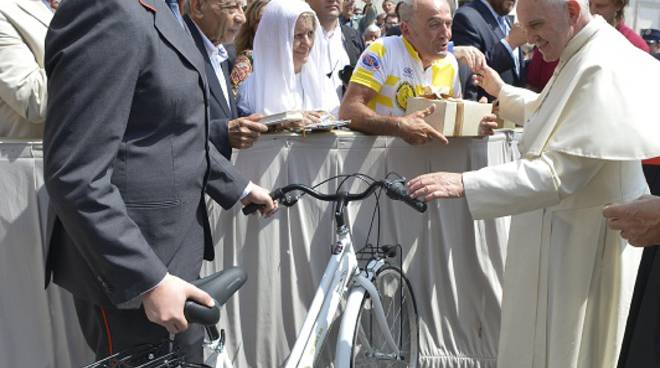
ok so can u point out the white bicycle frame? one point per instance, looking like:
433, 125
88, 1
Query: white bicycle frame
341, 272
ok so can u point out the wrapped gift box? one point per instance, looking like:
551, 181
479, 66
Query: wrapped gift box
452, 117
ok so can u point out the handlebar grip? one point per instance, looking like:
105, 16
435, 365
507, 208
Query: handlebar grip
397, 190
276, 195
252, 208
418, 205
201, 314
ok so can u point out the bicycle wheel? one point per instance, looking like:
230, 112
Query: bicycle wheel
369, 346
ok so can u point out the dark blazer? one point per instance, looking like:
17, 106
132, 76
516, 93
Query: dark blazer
126, 153
220, 112
474, 25
353, 43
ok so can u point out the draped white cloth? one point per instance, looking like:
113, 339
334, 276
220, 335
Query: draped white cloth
38, 327
273, 86
455, 264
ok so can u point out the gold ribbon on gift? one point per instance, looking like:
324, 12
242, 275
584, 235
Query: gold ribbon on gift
458, 121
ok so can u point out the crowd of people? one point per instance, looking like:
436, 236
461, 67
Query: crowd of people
141, 103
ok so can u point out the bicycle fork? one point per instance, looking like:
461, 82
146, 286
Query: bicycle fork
364, 284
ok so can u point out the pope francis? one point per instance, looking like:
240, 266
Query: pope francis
568, 278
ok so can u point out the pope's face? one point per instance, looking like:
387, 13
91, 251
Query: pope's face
547, 26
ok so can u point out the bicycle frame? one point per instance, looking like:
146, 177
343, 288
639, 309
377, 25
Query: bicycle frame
342, 269
341, 273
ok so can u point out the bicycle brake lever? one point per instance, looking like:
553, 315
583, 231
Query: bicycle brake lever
289, 200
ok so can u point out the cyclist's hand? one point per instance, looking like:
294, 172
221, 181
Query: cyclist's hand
471, 56
414, 130
259, 195
437, 185
163, 305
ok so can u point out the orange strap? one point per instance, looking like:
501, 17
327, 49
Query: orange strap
106, 325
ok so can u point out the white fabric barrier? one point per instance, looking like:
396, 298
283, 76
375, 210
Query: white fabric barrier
38, 327
455, 264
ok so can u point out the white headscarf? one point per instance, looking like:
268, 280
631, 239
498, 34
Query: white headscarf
272, 87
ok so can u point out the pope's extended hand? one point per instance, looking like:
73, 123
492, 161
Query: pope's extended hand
638, 220
437, 185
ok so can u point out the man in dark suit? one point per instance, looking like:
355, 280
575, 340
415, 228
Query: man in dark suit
341, 46
485, 25
212, 26
127, 161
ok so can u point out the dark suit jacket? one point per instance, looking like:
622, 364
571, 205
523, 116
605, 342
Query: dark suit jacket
474, 25
126, 153
353, 43
220, 112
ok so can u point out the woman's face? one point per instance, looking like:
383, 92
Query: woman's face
303, 41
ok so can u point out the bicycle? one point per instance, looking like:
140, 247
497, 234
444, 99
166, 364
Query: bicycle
369, 335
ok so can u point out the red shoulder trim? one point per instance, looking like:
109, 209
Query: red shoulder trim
147, 6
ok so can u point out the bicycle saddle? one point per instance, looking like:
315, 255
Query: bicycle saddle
221, 286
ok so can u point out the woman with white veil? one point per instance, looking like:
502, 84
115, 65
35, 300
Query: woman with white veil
287, 72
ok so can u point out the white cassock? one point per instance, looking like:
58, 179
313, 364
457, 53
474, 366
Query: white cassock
569, 279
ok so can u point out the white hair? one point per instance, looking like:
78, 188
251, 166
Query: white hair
372, 28
584, 4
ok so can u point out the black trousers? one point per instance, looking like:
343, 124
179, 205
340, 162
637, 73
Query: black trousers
109, 331
641, 341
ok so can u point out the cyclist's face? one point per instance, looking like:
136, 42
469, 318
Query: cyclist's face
429, 30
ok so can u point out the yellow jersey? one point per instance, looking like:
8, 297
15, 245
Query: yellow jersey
391, 67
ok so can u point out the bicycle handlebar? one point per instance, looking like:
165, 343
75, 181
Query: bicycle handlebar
395, 189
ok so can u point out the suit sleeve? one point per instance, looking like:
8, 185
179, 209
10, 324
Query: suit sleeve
22, 79
225, 183
466, 34
219, 136
94, 59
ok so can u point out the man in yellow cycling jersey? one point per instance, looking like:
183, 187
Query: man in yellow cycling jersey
392, 69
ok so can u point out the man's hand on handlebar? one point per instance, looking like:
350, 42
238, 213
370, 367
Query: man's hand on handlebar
260, 196
163, 304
